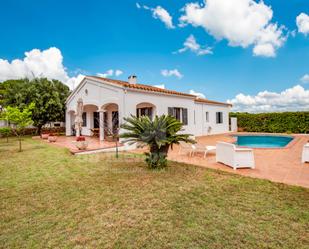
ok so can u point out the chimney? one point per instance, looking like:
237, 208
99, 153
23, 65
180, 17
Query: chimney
132, 79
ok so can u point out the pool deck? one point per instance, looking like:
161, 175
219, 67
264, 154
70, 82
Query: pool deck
279, 165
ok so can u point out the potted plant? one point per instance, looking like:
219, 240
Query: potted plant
81, 143
52, 138
44, 135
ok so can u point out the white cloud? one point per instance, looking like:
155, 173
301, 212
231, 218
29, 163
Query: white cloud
36, 63
241, 22
74, 81
173, 72
200, 95
266, 50
291, 99
118, 72
164, 16
162, 86
138, 5
110, 73
305, 79
192, 45
302, 22
161, 14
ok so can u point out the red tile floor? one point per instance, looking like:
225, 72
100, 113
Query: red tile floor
278, 165
69, 143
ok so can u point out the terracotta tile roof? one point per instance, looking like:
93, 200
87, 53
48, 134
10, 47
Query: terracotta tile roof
211, 102
141, 86
155, 89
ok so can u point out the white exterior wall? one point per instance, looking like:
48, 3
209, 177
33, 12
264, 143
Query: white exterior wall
161, 103
95, 97
202, 127
3, 123
99, 94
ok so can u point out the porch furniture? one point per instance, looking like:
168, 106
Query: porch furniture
234, 157
305, 155
95, 132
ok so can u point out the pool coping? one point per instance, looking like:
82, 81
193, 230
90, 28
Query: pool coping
289, 145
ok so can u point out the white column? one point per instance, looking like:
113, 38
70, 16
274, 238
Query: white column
68, 121
121, 113
77, 133
101, 125
234, 127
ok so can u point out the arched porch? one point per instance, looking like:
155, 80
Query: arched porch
109, 121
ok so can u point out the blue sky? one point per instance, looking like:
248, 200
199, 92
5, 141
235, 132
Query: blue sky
96, 36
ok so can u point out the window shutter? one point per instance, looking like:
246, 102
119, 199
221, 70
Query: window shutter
84, 117
150, 113
219, 117
185, 116
170, 111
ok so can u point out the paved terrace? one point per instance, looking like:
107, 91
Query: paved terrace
278, 165
94, 144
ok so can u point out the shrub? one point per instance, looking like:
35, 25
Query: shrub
33, 131
6, 132
19, 119
156, 160
285, 122
159, 135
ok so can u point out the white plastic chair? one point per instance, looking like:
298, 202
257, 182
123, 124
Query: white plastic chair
305, 155
203, 148
228, 154
210, 148
185, 147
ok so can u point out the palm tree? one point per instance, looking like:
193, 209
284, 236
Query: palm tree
159, 134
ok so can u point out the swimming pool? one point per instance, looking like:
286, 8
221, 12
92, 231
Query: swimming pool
262, 141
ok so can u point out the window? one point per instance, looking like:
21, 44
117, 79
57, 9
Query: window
146, 111
115, 121
219, 117
84, 117
207, 117
181, 114
96, 120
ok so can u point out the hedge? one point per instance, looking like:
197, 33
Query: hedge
284, 122
33, 131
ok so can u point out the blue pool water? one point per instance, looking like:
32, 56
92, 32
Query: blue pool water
263, 141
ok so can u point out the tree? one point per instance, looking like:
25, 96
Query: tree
5, 132
48, 96
159, 135
19, 119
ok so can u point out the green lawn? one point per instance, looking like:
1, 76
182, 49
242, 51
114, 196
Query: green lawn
51, 199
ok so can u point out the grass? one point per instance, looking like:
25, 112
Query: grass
51, 199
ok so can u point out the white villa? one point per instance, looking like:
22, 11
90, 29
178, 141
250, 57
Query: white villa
106, 102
